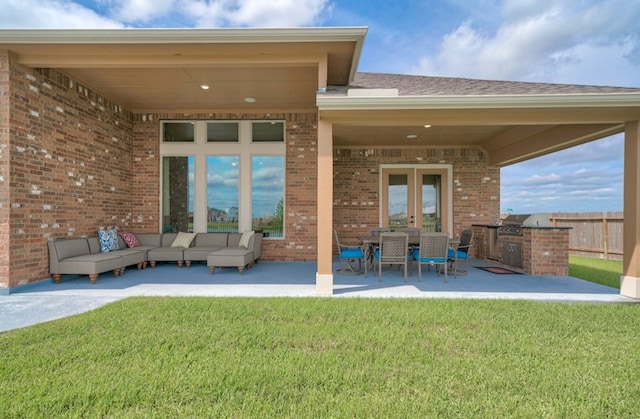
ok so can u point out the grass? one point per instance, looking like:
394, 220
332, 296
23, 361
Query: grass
600, 271
326, 357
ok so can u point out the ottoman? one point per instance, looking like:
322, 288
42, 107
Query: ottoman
230, 257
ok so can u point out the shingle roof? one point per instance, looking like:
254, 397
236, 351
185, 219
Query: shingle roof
409, 85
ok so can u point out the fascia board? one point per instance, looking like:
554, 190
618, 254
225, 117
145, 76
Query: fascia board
478, 101
179, 36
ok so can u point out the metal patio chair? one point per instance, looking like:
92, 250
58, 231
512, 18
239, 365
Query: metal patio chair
350, 254
460, 251
393, 250
433, 250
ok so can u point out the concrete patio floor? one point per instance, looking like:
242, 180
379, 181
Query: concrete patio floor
45, 301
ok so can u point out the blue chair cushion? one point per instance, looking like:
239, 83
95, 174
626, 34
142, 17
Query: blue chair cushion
461, 254
355, 253
416, 256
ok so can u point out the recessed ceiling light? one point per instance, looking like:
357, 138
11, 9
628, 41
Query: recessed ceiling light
204, 86
250, 100
412, 136
427, 126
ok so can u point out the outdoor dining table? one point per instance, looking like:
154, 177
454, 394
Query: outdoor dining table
370, 242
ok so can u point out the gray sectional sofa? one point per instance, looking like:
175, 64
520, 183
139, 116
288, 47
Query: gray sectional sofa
82, 256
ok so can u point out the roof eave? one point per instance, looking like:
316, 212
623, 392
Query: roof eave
178, 36
608, 100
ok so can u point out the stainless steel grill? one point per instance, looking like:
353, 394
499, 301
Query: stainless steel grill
512, 225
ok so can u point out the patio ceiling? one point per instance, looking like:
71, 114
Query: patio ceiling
163, 70
508, 134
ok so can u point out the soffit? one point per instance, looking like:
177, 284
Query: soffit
162, 70
507, 135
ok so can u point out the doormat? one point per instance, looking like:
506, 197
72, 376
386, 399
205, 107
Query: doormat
497, 270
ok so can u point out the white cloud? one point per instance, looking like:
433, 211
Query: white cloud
140, 11
569, 42
30, 14
162, 13
238, 13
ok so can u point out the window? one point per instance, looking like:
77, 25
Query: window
223, 132
178, 132
223, 176
177, 194
267, 195
222, 193
268, 132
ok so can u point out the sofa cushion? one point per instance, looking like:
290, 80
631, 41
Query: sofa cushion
244, 240
108, 240
183, 239
130, 239
211, 240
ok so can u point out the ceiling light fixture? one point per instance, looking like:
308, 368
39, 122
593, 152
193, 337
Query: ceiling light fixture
250, 100
427, 126
204, 86
412, 136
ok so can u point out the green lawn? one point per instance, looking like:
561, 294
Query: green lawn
326, 357
600, 271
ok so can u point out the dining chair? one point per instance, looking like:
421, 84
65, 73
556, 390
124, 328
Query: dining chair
393, 250
350, 253
461, 250
433, 250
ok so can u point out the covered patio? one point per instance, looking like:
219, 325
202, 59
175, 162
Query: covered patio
86, 106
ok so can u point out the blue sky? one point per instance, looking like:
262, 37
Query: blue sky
552, 41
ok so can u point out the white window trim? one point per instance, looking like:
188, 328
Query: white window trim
245, 149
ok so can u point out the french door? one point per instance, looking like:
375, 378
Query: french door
416, 196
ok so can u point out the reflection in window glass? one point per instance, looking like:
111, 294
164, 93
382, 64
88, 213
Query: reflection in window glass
268, 131
223, 132
222, 193
267, 195
177, 132
177, 193
431, 203
398, 200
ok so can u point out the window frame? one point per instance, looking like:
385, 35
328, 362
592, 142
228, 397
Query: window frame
245, 148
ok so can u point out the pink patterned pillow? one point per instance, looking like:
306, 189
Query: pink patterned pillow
130, 239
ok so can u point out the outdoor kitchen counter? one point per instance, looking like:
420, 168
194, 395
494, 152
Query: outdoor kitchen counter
535, 251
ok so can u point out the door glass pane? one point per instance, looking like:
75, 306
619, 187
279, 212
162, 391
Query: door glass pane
398, 204
222, 193
431, 203
177, 132
177, 193
267, 195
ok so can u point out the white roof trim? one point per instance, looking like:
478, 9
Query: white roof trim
180, 36
326, 102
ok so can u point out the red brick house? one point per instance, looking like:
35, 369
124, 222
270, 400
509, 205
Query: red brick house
122, 127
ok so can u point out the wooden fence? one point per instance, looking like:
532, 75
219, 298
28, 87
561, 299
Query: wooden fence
593, 234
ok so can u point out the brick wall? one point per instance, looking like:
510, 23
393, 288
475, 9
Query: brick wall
70, 167
545, 251
476, 187
5, 202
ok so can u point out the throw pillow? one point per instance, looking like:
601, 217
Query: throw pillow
130, 239
108, 240
183, 239
244, 240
